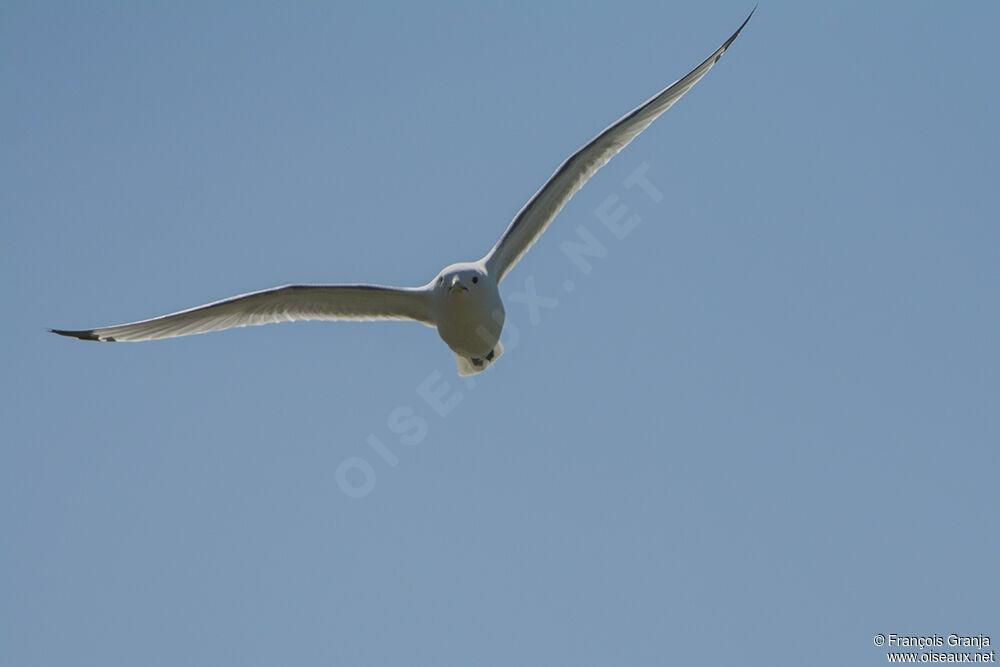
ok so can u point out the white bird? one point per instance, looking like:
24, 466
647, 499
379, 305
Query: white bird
462, 301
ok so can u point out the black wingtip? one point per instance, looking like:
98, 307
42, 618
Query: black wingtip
84, 334
742, 25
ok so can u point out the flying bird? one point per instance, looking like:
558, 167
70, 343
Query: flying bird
462, 302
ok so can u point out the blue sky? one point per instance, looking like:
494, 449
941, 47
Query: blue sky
760, 429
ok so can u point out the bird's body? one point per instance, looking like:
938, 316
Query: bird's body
469, 313
463, 301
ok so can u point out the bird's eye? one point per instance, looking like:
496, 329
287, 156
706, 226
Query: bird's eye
475, 279
440, 280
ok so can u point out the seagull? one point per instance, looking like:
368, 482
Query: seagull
462, 301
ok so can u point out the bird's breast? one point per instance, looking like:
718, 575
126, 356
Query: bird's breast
471, 326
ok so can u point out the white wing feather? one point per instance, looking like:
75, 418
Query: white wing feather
289, 303
540, 210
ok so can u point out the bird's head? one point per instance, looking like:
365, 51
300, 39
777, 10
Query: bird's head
460, 279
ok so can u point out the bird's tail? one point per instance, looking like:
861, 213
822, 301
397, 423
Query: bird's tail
467, 366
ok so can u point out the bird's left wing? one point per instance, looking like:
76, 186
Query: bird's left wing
281, 304
536, 215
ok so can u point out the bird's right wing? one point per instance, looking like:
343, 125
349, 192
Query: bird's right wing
290, 303
536, 215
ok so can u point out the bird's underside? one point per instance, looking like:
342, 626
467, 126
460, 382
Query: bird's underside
463, 300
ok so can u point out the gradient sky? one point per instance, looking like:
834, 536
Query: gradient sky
760, 429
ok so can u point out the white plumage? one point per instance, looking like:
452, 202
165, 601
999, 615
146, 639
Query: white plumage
462, 301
